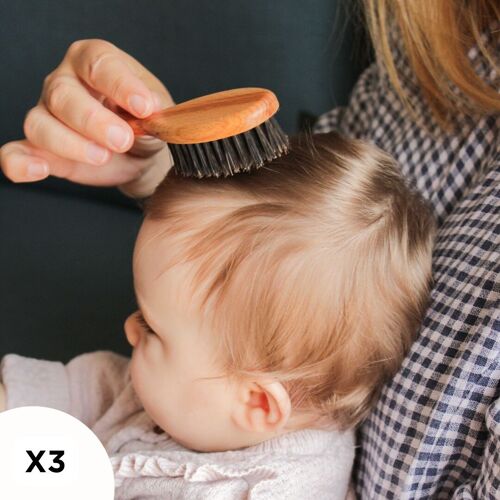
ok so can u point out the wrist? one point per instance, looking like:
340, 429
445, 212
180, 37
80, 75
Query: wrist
152, 175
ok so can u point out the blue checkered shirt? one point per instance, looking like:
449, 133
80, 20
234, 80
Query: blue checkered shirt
435, 432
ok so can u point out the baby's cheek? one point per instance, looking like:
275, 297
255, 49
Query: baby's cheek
140, 373
205, 399
135, 373
200, 394
150, 383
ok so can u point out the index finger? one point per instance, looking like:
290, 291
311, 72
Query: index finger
104, 68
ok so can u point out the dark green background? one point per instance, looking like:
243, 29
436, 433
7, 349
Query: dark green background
65, 250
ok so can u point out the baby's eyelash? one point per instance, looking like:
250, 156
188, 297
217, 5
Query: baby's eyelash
142, 322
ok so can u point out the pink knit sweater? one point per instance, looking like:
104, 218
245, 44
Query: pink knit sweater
96, 389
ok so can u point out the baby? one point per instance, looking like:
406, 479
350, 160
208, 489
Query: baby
272, 307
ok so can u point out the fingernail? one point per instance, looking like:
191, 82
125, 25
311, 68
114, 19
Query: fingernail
140, 106
118, 137
37, 170
96, 154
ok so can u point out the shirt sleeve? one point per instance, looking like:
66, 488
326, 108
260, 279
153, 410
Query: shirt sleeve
487, 485
86, 387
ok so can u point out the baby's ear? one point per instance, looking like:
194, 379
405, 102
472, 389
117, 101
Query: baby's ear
262, 406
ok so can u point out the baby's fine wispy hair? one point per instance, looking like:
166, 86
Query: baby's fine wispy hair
315, 269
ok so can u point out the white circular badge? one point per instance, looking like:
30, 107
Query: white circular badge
48, 454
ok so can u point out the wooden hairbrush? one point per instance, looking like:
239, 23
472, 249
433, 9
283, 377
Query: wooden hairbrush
219, 134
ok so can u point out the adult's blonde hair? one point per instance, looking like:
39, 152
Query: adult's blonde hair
437, 35
315, 269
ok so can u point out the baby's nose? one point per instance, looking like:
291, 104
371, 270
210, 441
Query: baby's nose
131, 331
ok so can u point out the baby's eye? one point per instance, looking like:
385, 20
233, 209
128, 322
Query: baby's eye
144, 325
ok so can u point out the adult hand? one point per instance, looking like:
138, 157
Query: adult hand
74, 133
2, 397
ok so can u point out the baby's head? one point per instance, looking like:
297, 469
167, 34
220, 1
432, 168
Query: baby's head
281, 299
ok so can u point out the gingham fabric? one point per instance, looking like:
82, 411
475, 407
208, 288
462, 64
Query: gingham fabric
435, 432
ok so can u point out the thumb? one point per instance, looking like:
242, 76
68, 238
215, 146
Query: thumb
146, 146
162, 100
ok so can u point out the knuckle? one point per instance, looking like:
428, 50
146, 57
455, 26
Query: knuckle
118, 85
48, 79
76, 46
89, 117
57, 94
99, 43
6, 154
94, 63
92, 53
31, 122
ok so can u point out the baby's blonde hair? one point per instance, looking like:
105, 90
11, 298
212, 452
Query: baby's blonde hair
315, 269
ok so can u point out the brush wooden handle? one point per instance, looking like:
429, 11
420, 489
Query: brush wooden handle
208, 118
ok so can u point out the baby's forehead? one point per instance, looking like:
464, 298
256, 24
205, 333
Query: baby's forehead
156, 254
183, 217
159, 265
